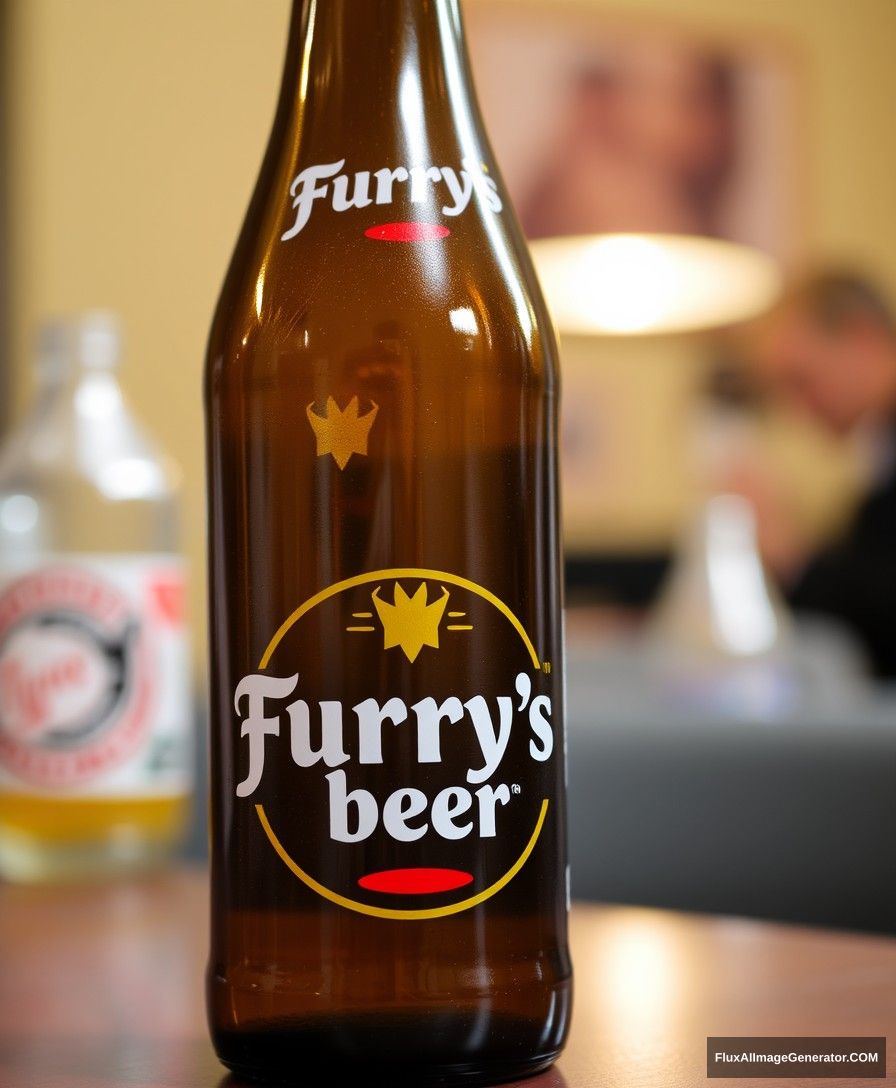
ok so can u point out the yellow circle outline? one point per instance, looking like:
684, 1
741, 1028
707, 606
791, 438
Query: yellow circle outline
398, 573
312, 602
403, 915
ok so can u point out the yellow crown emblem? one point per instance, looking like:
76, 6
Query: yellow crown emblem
410, 622
342, 432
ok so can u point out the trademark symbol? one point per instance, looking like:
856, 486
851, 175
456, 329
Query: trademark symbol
516, 788
546, 667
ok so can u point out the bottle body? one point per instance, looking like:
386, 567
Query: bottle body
388, 826
95, 715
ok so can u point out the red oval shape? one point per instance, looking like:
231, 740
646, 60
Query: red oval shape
407, 232
415, 881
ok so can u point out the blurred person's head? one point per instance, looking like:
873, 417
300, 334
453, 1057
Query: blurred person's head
829, 348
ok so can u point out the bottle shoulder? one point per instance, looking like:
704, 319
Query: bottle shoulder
89, 437
470, 296
355, 240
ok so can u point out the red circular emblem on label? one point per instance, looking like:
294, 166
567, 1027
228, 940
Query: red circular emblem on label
74, 681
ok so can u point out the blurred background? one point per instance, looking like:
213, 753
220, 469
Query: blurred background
708, 188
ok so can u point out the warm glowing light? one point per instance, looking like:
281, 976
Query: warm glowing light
651, 283
640, 970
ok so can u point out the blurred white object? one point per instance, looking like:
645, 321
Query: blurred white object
721, 637
50, 362
652, 283
95, 706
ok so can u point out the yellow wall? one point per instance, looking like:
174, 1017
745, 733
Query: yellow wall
138, 126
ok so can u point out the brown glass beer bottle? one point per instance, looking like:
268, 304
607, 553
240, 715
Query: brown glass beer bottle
389, 892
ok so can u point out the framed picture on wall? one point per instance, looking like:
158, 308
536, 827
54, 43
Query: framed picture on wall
603, 123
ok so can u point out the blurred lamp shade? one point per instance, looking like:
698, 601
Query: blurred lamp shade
651, 283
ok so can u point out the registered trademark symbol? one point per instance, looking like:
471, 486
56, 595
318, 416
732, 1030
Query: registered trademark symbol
546, 667
516, 788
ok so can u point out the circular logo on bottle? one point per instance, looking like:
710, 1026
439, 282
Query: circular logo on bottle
74, 687
397, 742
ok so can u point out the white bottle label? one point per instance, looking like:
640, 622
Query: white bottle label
94, 677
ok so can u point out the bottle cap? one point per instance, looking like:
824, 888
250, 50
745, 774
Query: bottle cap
98, 340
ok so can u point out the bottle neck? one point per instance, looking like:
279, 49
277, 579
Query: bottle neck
360, 67
71, 354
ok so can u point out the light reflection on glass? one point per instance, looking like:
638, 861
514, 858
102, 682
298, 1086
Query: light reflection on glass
463, 320
131, 478
18, 514
259, 292
741, 613
469, 142
98, 397
413, 126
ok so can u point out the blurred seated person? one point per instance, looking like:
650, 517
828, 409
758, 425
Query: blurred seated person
829, 349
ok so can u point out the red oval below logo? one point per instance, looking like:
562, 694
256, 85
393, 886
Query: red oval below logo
415, 881
407, 232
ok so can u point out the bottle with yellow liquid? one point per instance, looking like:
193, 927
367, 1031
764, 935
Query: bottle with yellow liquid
95, 715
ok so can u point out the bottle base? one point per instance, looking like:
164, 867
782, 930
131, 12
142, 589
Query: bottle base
397, 1078
394, 1051
459, 1075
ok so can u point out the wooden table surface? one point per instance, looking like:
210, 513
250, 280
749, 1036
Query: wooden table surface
101, 987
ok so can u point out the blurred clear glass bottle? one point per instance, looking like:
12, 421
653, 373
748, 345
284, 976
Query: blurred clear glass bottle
720, 635
95, 711
720, 638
